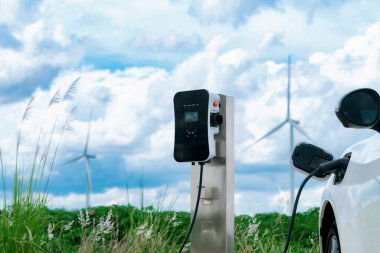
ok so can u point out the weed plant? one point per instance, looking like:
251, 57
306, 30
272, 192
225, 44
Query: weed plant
23, 216
267, 232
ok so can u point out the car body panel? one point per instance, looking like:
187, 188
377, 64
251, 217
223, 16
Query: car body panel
356, 200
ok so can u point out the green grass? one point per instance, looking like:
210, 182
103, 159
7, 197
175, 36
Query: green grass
129, 229
271, 231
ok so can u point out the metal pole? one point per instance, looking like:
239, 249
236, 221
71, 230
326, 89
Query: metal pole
213, 230
88, 181
289, 93
291, 141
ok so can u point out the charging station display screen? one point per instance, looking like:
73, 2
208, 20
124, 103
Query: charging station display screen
191, 116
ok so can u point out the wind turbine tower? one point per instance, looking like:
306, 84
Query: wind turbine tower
86, 157
293, 124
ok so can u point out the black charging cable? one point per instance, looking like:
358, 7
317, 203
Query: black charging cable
196, 208
326, 168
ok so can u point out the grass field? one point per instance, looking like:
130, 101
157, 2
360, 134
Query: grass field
128, 229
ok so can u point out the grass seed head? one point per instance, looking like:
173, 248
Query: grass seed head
30, 234
84, 221
68, 226
50, 231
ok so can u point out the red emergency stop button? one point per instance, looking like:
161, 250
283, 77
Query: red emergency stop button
215, 103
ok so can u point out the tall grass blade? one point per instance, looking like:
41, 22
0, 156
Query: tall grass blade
69, 95
28, 109
56, 98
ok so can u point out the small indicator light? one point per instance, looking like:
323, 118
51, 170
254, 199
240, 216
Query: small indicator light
215, 103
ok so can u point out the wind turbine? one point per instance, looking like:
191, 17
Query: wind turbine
86, 157
293, 124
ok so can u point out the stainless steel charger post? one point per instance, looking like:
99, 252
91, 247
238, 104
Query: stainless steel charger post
204, 136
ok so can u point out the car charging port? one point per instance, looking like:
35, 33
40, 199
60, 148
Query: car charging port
341, 172
333, 167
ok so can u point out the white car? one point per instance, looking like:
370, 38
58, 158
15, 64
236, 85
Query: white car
350, 208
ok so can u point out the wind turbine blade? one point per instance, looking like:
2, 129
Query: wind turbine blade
268, 134
88, 134
299, 129
271, 132
88, 181
250, 143
71, 160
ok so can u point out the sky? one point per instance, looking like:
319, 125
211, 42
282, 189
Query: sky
133, 56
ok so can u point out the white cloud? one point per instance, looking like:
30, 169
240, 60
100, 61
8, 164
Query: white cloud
120, 33
252, 202
127, 119
7, 10
317, 58
171, 41
17, 11
133, 107
137, 32
124, 115
356, 64
159, 147
160, 198
42, 53
272, 40
310, 197
231, 11
235, 57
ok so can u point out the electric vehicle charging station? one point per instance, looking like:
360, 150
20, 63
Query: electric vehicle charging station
204, 137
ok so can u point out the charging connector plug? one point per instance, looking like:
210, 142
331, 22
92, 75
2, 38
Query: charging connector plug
326, 168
